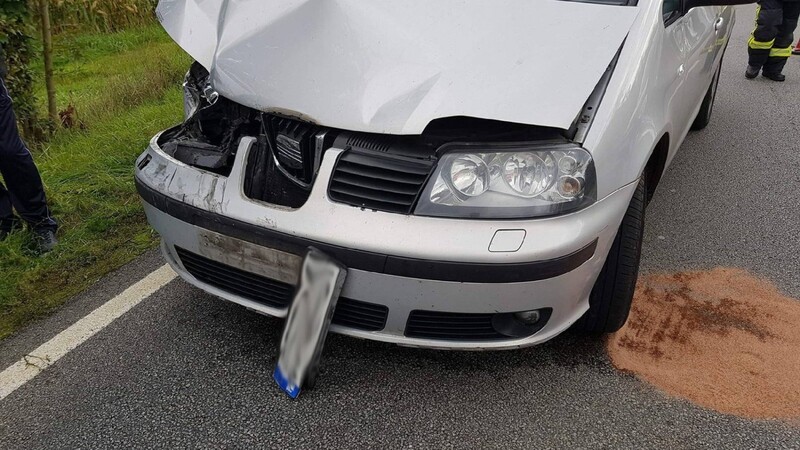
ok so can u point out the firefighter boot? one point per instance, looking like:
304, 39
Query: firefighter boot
774, 76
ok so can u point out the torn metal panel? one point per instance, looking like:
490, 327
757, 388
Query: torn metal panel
393, 66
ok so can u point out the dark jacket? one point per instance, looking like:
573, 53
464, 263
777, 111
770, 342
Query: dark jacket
3, 67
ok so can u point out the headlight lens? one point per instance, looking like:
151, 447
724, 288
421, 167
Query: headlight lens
529, 174
470, 175
519, 182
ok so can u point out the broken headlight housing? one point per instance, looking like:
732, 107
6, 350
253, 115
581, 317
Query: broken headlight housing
197, 92
498, 181
191, 98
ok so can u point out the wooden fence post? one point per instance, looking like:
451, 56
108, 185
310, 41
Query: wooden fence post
44, 13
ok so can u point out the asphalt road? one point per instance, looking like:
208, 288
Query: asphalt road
185, 369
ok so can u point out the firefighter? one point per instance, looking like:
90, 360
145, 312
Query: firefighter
24, 191
770, 43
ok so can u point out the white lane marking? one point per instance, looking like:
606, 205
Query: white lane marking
51, 351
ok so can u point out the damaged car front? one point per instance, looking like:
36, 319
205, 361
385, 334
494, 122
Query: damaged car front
467, 172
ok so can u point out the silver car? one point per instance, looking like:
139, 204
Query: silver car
481, 168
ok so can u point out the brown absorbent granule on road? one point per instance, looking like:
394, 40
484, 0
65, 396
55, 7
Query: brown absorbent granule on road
723, 339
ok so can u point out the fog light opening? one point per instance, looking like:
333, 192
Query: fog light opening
521, 324
528, 317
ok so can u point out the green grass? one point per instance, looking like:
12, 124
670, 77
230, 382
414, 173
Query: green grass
125, 87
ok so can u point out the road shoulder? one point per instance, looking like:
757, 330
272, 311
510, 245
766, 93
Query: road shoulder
23, 341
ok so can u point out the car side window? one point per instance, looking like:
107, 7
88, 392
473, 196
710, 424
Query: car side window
671, 11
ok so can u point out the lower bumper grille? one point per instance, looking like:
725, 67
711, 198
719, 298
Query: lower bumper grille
349, 313
254, 287
451, 326
360, 315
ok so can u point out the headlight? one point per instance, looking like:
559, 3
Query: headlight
509, 181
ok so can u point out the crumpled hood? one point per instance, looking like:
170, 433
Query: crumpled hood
392, 66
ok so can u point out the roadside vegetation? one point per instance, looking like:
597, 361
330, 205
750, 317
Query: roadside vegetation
100, 15
115, 89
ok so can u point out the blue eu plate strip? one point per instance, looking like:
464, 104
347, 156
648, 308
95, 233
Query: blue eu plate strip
291, 389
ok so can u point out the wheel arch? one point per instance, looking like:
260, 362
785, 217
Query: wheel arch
656, 164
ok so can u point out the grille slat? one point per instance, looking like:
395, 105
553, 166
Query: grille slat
450, 333
363, 307
349, 313
371, 194
388, 163
437, 320
360, 325
377, 143
454, 327
365, 317
380, 206
378, 181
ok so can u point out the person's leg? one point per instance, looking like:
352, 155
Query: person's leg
782, 48
24, 185
7, 219
769, 16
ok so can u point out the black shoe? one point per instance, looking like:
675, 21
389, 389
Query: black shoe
774, 76
752, 72
45, 240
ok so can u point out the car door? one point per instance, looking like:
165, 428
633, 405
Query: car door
689, 55
702, 28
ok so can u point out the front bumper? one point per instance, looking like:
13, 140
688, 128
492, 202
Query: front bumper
401, 263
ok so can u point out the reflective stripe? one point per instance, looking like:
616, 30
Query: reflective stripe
758, 45
752, 42
758, 12
781, 52
755, 21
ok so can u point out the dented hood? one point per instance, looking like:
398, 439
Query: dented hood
392, 66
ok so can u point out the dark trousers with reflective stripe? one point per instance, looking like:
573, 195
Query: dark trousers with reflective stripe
771, 42
25, 192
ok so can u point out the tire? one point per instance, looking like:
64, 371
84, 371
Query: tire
707, 107
610, 300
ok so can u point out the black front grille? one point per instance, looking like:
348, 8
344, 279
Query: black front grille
349, 313
378, 181
360, 315
236, 281
280, 167
452, 326
292, 143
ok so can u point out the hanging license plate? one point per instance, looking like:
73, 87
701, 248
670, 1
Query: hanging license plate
321, 281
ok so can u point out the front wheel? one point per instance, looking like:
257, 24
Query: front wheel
610, 300
704, 116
